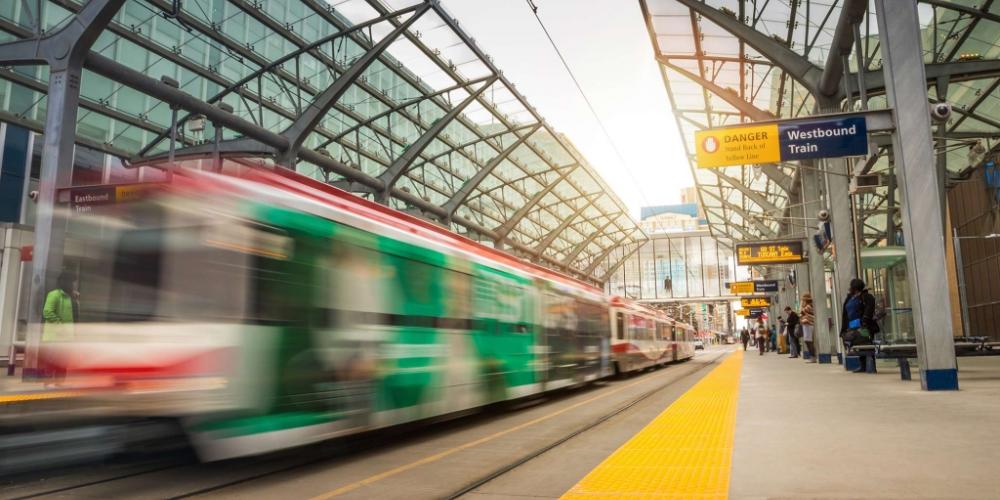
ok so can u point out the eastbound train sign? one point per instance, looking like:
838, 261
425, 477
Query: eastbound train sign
786, 140
770, 252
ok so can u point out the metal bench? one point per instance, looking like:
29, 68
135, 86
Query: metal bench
902, 353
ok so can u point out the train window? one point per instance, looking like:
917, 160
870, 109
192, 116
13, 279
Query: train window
135, 278
620, 326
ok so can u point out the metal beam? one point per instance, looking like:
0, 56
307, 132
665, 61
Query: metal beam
504, 230
64, 51
754, 196
398, 167
611, 269
972, 11
395, 109
764, 230
551, 237
272, 66
954, 71
607, 251
580, 247
921, 204
471, 183
851, 13
307, 121
797, 66
729, 95
154, 88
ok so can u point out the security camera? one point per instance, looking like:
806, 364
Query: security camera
941, 111
824, 215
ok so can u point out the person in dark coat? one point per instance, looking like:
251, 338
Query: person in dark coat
857, 323
791, 322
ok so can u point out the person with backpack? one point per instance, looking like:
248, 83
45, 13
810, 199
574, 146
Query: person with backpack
858, 325
794, 333
807, 318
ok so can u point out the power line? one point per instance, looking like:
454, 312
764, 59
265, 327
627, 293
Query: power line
590, 106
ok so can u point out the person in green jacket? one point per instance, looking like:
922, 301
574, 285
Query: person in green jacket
59, 311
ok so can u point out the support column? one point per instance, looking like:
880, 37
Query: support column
842, 227
823, 335
920, 198
56, 172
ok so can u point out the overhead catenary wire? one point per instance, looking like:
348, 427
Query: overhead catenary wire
590, 106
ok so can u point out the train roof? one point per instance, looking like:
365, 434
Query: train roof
338, 199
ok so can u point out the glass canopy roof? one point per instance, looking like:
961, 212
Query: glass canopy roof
390, 99
715, 76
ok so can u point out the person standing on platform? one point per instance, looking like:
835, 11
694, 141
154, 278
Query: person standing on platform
59, 313
858, 318
772, 335
745, 337
782, 338
791, 326
761, 333
807, 318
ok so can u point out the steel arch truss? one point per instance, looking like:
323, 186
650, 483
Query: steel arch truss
396, 103
737, 61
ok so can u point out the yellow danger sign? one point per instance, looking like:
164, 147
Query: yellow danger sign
741, 287
737, 146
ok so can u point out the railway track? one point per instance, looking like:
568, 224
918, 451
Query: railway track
239, 472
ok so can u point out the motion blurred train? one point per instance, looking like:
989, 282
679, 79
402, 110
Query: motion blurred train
263, 309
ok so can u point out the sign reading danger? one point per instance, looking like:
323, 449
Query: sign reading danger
737, 146
828, 136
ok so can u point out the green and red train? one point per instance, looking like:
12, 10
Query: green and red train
264, 310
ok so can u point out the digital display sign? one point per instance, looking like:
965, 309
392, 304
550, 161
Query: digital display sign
755, 302
770, 252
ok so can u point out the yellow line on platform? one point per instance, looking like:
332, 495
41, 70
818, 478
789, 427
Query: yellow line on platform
37, 396
438, 456
685, 452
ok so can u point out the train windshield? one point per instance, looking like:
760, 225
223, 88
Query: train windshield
173, 259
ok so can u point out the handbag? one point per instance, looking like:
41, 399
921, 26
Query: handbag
798, 331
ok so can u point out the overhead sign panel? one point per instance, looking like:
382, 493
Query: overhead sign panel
787, 140
755, 302
770, 252
752, 287
823, 138
741, 287
737, 146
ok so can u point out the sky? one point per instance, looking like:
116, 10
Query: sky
606, 45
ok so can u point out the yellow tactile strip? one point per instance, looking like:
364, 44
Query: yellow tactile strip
685, 452
37, 396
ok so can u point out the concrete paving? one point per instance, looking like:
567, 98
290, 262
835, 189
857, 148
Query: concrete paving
815, 431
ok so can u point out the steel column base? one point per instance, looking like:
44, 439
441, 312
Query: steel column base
945, 379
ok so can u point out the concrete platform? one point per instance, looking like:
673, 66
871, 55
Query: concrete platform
815, 431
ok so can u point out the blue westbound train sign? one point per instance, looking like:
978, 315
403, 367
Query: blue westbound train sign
810, 139
785, 140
